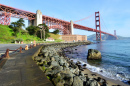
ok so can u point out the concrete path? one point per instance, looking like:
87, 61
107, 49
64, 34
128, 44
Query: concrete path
21, 70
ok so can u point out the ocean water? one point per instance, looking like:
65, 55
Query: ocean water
115, 63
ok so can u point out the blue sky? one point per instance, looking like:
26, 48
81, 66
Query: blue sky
115, 14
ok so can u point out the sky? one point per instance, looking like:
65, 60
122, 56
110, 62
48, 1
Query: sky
115, 14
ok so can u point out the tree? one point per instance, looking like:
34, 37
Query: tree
17, 26
56, 31
14, 27
45, 30
47, 33
20, 23
32, 30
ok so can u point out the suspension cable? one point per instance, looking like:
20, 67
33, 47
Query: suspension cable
84, 18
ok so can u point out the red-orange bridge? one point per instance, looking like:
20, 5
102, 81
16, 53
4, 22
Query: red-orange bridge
6, 12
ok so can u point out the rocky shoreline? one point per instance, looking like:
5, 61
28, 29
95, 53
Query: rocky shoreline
61, 70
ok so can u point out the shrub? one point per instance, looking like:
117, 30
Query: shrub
29, 40
19, 39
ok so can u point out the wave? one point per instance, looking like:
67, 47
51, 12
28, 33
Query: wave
107, 72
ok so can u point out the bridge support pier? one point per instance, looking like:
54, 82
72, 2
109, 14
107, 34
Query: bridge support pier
72, 27
37, 20
30, 22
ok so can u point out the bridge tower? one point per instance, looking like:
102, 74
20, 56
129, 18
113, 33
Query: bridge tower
115, 32
98, 27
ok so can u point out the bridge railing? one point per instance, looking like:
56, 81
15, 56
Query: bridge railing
6, 55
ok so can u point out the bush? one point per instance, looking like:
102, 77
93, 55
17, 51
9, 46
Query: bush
19, 39
56, 31
13, 41
29, 39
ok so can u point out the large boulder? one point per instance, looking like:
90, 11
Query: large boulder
94, 54
77, 81
38, 58
92, 82
52, 63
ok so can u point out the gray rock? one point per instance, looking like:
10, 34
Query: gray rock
92, 82
81, 73
59, 68
57, 79
45, 54
74, 70
80, 67
56, 58
61, 61
52, 58
67, 71
65, 65
43, 59
50, 54
78, 62
73, 65
77, 81
38, 59
68, 78
53, 63
83, 78
93, 54
60, 83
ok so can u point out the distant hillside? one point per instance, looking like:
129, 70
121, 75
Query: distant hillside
91, 37
106, 37
120, 37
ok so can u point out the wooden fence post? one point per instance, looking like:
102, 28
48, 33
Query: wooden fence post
7, 53
26, 48
30, 46
20, 49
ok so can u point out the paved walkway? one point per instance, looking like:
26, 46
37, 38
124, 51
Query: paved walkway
21, 70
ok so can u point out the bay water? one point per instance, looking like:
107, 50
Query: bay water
115, 63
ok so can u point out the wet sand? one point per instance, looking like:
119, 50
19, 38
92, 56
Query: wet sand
110, 82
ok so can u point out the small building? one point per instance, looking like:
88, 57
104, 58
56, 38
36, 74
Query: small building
50, 39
70, 38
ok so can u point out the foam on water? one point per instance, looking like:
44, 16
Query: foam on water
106, 73
115, 63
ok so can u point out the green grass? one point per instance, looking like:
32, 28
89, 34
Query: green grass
27, 37
54, 36
6, 36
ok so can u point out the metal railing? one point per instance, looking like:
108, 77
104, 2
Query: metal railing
6, 55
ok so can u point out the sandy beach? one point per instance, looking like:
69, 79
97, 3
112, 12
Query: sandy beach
110, 82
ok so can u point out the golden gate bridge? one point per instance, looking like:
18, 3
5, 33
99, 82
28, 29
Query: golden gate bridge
6, 12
